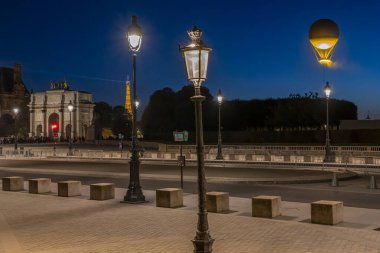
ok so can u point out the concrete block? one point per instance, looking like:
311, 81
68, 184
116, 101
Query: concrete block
217, 202
39, 185
327, 212
169, 197
102, 191
13, 183
69, 188
266, 206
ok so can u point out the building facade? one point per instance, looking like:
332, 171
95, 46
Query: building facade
50, 117
13, 92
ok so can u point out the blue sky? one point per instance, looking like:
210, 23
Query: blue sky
260, 47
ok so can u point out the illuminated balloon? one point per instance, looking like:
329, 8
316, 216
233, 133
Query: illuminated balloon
324, 35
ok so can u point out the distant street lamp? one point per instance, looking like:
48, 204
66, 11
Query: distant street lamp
196, 58
134, 193
137, 103
328, 154
16, 111
70, 107
219, 156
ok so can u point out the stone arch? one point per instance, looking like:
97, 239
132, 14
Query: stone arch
53, 125
39, 131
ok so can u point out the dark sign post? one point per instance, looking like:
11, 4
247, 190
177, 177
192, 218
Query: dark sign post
181, 137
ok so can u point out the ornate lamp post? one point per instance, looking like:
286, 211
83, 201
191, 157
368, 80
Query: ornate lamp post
219, 155
328, 154
70, 107
196, 59
16, 111
134, 193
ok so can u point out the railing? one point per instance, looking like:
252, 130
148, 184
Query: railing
271, 148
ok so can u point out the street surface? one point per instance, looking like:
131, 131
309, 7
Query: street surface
353, 192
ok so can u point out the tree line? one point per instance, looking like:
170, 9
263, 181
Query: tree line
168, 110
115, 118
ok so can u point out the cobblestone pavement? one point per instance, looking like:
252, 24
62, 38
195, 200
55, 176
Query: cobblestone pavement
47, 223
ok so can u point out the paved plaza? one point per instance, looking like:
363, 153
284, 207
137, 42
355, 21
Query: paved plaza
47, 223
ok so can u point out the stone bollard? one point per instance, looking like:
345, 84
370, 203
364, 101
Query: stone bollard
13, 183
69, 188
39, 185
169, 197
102, 191
326, 212
266, 206
217, 202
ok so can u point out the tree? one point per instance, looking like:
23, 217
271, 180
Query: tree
102, 117
121, 121
168, 110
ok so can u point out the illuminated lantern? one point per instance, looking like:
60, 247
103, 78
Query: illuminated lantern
324, 35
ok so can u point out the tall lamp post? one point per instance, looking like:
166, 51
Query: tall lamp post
134, 193
219, 155
196, 59
16, 111
70, 107
328, 154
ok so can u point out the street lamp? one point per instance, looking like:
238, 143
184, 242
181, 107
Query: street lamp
328, 154
70, 107
137, 103
16, 111
196, 59
134, 193
219, 156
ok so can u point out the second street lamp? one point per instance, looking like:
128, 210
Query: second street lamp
134, 193
16, 111
70, 107
219, 155
196, 59
329, 157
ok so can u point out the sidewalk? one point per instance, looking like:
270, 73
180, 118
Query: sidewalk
51, 224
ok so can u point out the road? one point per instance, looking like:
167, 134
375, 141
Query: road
352, 192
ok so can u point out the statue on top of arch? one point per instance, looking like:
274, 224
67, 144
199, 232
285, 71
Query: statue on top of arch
62, 85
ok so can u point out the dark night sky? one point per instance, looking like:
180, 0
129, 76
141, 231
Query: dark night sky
260, 48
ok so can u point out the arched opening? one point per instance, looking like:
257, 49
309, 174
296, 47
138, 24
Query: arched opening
53, 125
39, 131
68, 131
84, 131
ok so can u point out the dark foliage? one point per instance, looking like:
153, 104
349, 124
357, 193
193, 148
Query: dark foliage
168, 110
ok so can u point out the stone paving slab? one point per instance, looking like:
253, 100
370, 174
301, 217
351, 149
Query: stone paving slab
46, 223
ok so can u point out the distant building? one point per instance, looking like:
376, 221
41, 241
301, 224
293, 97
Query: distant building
13, 92
50, 117
359, 124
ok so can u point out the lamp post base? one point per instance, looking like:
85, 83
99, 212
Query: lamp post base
203, 246
134, 193
134, 196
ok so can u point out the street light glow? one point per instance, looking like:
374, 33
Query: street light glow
134, 35
16, 110
70, 107
219, 96
327, 89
